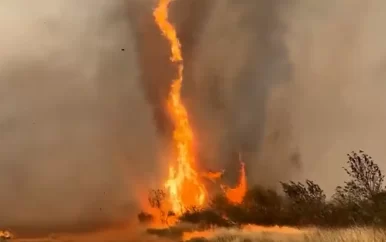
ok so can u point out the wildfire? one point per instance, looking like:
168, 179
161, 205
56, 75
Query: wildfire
212, 175
183, 185
236, 195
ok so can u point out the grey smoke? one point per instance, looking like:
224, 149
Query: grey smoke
237, 60
233, 55
76, 132
337, 57
293, 85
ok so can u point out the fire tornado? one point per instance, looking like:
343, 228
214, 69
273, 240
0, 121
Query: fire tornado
183, 184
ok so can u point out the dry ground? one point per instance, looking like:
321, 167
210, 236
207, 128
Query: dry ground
248, 234
273, 234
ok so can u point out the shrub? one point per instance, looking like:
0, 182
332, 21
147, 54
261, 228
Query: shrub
360, 201
144, 217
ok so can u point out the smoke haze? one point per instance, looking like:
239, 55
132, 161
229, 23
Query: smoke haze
237, 60
293, 85
71, 149
337, 57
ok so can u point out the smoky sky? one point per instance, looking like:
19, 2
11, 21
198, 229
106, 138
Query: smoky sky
292, 85
76, 131
233, 56
334, 96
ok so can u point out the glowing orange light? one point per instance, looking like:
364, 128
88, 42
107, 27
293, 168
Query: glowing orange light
183, 185
236, 195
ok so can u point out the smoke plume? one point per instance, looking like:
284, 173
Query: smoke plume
292, 85
336, 89
236, 63
77, 135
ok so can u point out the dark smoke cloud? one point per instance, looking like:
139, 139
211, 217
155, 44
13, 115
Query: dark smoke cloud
293, 85
235, 56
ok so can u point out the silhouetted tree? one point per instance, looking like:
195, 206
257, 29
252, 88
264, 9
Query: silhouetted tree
366, 177
360, 200
156, 200
306, 202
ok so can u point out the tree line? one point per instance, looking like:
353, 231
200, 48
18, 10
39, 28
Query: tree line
360, 201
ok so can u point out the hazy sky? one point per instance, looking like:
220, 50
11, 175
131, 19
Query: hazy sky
76, 130
295, 85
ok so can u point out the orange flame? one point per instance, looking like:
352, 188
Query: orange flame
183, 185
213, 175
4, 234
236, 195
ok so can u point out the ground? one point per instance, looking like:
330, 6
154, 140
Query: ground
248, 234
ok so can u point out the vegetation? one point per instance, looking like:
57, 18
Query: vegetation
360, 201
314, 235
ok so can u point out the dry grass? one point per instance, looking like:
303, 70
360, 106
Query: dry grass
247, 234
273, 234
348, 235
